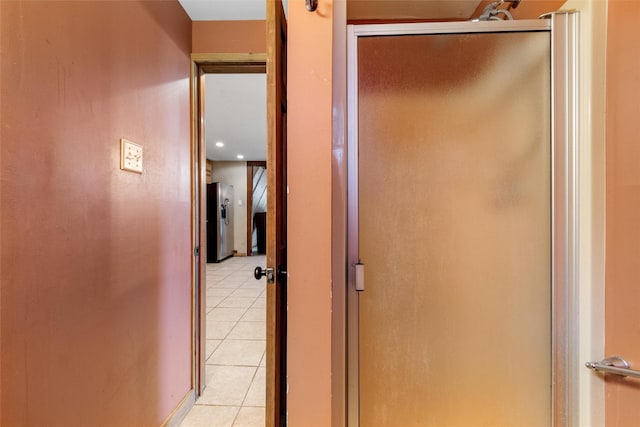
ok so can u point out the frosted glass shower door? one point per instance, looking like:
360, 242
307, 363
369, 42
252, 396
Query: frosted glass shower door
454, 228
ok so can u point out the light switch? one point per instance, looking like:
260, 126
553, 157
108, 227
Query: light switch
130, 156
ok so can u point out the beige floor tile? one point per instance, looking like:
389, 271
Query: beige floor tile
213, 270
250, 417
254, 315
230, 285
226, 314
223, 284
211, 347
232, 281
224, 269
227, 385
257, 391
229, 270
215, 275
253, 284
261, 302
237, 302
249, 274
217, 330
226, 264
213, 301
247, 292
219, 292
248, 331
210, 416
238, 353
208, 376
216, 282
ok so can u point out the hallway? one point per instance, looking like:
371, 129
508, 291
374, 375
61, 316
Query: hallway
235, 393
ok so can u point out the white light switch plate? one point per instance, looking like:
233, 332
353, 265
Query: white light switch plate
130, 156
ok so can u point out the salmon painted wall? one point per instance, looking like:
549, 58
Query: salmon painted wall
229, 37
95, 291
309, 162
623, 208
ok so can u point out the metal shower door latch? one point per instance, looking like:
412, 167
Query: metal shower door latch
359, 276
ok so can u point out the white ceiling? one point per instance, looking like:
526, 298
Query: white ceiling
236, 115
224, 10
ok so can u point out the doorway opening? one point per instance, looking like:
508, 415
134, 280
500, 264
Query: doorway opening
229, 127
235, 125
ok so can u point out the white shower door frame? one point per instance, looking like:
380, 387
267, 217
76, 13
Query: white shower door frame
564, 197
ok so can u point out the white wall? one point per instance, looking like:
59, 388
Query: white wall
235, 173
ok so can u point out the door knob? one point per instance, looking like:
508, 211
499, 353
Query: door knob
260, 272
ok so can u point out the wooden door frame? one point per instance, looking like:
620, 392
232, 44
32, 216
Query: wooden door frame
276, 354
206, 63
250, 165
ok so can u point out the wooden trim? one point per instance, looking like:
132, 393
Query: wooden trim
235, 69
250, 165
229, 58
198, 227
202, 177
195, 225
249, 199
178, 415
237, 63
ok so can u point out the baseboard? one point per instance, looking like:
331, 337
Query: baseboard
239, 253
178, 415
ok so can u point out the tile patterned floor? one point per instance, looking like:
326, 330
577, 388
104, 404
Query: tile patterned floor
236, 334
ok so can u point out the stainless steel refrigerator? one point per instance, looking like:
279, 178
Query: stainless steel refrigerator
219, 221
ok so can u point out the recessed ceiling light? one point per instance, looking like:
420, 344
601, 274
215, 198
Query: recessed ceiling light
240, 156
219, 144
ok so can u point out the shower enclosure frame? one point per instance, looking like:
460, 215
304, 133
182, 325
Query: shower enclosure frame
563, 28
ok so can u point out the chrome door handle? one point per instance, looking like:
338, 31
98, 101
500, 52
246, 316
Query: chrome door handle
613, 365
